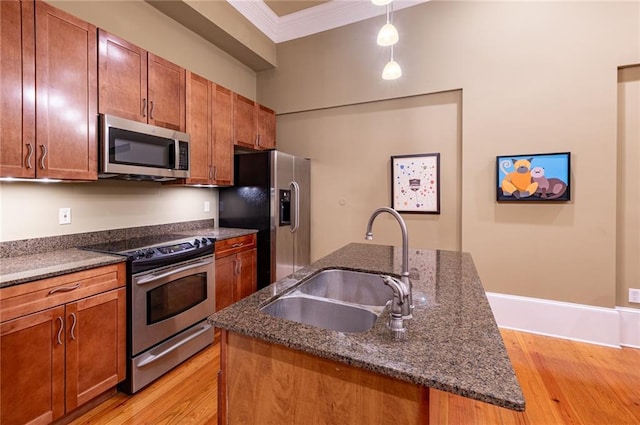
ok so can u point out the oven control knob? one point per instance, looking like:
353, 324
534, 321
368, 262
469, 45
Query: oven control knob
204, 241
148, 253
196, 243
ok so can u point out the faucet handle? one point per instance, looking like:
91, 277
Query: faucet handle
396, 326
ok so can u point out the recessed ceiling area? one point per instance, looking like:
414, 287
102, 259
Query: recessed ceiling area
249, 30
287, 7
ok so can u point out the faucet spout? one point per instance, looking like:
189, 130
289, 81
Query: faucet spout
408, 306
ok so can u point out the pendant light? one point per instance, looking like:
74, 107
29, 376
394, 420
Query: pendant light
392, 69
388, 34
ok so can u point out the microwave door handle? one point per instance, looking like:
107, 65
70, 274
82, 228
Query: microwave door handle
153, 277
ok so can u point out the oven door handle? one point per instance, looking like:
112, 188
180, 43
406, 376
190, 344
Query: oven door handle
153, 277
155, 357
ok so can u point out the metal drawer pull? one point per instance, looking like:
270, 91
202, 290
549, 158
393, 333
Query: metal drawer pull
151, 111
29, 155
73, 327
64, 289
154, 357
144, 107
60, 331
44, 155
237, 245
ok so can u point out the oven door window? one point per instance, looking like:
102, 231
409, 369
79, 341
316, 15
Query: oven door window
175, 297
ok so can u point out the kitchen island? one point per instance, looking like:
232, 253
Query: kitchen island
276, 370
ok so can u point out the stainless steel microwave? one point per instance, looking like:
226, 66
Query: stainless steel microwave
137, 151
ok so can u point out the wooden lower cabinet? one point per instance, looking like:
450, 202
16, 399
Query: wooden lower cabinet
236, 269
264, 383
54, 360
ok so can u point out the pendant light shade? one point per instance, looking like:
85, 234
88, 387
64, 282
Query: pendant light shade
388, 35
381, 2
391, 70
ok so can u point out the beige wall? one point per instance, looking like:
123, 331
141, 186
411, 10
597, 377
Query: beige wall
535, 77
145, 26
351, 148
628, 219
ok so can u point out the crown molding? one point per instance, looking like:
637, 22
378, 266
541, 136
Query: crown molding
313, 20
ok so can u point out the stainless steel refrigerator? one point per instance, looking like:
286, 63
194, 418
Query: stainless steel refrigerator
271, 194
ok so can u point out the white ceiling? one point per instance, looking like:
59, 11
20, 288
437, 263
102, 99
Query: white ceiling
300, 18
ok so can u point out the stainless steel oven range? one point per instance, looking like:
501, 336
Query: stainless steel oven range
170, 293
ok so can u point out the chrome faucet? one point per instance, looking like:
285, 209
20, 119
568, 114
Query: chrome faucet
400, 299
404, 301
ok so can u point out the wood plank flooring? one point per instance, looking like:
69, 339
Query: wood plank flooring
564, 382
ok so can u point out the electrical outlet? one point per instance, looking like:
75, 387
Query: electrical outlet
64, 216
207, 207
634, 295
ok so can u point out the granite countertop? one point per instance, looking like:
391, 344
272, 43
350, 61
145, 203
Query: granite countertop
27, 268
452, 343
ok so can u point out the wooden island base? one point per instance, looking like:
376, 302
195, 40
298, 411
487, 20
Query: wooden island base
263, 383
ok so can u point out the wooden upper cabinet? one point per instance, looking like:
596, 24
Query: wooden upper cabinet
254, 124
222, 136
17, 85
166, 93
199, 128
266, 128
66, 95
244, 121
59, 94
138, 85
122, 77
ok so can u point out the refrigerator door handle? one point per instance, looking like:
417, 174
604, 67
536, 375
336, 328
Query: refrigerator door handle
296, 208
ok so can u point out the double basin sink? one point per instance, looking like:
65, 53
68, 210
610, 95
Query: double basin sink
341, 300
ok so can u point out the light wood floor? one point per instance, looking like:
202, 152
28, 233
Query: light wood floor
564, 382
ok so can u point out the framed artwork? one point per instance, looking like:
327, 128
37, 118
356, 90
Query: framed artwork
537, 177
415, 183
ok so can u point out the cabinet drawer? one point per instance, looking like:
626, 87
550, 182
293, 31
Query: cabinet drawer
233, 245
20, 300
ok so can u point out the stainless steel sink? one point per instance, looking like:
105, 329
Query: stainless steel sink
341, 300
349, 286
322, 313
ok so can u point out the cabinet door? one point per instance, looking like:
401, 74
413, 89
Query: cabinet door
199, 128
247, 274
266, 128
244, 121
66, 91
17, 79
222, 136
32, 368
122, 78
225, 281
96, 339
166, 94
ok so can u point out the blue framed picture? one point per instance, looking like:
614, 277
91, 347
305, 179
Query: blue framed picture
536, 177
415, 183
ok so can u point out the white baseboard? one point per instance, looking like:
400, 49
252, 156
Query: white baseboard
611, 327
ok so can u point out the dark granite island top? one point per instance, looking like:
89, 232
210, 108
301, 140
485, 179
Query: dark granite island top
452, 343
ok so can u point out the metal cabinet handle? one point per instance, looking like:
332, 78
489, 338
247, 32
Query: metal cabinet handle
73, 327
210, 173
257, 139
144, 107
44, 155
29, 155
151, 110
237, 267
60, 331
64, 289
237, 245
215, 172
